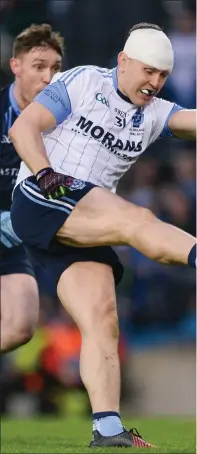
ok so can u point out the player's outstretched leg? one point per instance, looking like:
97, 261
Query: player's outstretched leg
87, 291
103, 218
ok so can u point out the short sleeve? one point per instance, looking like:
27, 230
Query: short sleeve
160, 113
56, 99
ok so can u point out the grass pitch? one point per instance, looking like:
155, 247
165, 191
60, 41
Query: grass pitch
171, 435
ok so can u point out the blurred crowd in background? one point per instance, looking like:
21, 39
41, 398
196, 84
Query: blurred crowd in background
156, 303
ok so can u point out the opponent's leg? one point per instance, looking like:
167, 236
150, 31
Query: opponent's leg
103, 218
19, 310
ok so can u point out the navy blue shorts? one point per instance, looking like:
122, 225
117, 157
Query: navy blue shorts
36, 221
14, 257
15, 260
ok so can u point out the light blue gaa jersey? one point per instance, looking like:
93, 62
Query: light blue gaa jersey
99, 133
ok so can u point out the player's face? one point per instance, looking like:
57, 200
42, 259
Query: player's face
138, 81
34, 70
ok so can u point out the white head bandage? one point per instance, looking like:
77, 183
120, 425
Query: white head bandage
151, 47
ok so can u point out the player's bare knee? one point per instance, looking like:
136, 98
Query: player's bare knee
110, 325
19, 309
23, 332
24, 326
15, 332
135, 218
109, 319
102, 321
144, 215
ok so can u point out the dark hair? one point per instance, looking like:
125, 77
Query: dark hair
145, 25
38, 36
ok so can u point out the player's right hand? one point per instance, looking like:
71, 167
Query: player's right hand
52, 184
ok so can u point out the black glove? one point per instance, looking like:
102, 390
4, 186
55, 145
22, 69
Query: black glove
52, 184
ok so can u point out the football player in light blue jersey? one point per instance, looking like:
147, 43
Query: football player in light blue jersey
96, 123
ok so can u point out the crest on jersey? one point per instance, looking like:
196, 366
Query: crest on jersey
74, 184
137, 118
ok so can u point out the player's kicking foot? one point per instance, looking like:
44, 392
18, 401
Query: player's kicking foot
138, 441
127, 438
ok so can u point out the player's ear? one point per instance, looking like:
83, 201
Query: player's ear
122, 59
15, 66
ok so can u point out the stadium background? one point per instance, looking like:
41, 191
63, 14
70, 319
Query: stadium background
156, 303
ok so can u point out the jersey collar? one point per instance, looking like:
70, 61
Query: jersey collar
115, 78
13, 100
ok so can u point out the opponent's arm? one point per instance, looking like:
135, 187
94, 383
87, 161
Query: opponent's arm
50, 108
26, 135
183, 124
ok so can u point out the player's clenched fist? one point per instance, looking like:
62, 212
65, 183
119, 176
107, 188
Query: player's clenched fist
53, 185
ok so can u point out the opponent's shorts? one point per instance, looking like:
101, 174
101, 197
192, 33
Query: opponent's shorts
14, 258
36, 221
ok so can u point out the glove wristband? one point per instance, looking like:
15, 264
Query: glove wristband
43, 172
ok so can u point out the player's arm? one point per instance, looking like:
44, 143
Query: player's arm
49, 109
183, 124
26, 135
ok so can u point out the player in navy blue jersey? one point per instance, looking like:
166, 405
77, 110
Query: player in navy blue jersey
37, 56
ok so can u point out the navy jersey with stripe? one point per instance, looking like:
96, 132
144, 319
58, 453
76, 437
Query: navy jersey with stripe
9, 159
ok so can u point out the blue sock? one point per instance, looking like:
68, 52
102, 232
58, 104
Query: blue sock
192, 257
107, 423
